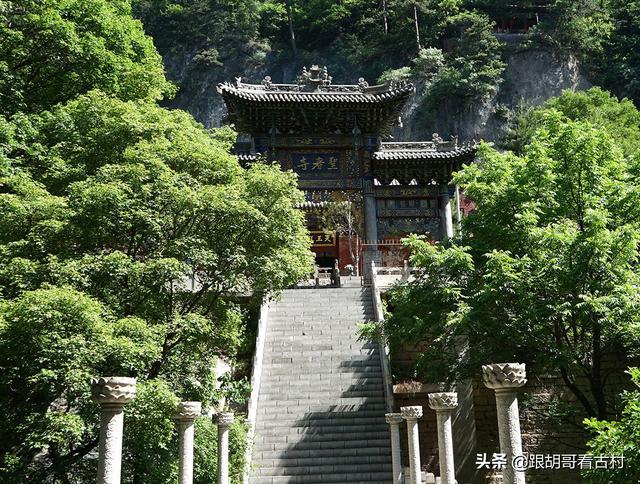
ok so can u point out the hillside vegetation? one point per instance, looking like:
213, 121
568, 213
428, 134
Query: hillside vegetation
448, 47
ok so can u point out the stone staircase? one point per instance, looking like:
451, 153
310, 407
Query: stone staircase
320, 412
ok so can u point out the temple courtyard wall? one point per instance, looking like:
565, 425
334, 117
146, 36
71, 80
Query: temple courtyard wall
475, 425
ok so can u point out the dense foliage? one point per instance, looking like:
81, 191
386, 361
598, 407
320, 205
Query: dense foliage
54, 50
211, 41
126, 233
549, 258
619, 438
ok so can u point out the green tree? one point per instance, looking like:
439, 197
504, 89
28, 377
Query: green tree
580, 28
52, 341
620, 119
54, 50
473, 69
549, 261
619, 438
345, 218
147, 212
622, 53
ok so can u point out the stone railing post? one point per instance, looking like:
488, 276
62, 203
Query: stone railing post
112, 393
394, 420
411, 415
505, 379
406, 272
444, 404
224, 422
186, 413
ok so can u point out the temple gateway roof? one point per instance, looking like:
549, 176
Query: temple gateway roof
435, 151
314, 104
422, 162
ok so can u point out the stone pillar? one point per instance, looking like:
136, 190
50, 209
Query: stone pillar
186, 413
444, 206
370, 227
394, 420
112, 393
505, 379
224, 421
444, 404
370, 212
411, 415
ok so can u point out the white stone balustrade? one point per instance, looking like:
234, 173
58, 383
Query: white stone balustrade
224, 421
444, 404
394, 420
411, 415
505, 379
186, 413
112, 393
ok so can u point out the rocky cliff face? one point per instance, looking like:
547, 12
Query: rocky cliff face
198, 80
532, 76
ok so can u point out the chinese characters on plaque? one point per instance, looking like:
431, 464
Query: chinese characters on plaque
316, 163
323, 239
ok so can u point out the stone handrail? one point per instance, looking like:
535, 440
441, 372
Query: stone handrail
384, 348
256, 377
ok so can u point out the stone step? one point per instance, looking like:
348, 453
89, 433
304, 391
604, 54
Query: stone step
294, 421
324, 469
346, 353
347, 439
302, 398
298, 454
333, 460
291, 404
354, 478
326, 445
321, 409
378, 430
275, 388
321, 403
338, 373
336, 367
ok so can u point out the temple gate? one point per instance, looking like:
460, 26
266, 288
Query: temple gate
332, 136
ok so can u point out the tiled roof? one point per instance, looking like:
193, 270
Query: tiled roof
247, 158
423, 151
308, 205
289, 93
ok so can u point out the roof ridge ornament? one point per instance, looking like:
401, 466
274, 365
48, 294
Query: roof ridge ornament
314, 77
266, 82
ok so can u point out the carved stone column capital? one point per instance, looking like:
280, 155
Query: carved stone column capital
393, 418
188, 410
411, 413
444, 404
224, 419
118, 390
504, 379
112, 393
502, 376
186, 413
445, 401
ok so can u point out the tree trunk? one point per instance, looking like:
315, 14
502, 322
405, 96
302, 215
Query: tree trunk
292, 34
384, 17
415, 17
353, 254
597, 388
579, 394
